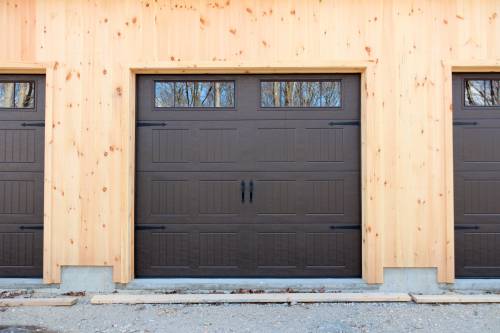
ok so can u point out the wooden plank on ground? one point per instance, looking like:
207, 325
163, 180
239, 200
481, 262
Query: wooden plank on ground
56, 301
455, 298
249, 298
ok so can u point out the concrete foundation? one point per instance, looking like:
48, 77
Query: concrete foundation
411, 280
86, 278
475, 285
397, 280
23, 283
298, 285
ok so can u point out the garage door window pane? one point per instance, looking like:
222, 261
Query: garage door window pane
6, 94
17, 95
164, 94
330, 94
482, 92
224, 94
194, 94
300, 94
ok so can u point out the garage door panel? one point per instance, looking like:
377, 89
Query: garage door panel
193, 146
476, 179
193, 250
21, 175
333, 145
170, 197
476, 197
319, 197
305, 250
241, 250
277, 144
306, 145
20, 250
248, 191
21, 147
164, 147
477, 247
476, 146
21, 198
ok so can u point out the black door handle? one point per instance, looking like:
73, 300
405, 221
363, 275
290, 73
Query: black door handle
251, 191
33, 124
242, 188
31, 227
149, 227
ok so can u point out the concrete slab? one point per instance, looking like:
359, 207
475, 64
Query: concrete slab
475, 285
23, 283
230, 284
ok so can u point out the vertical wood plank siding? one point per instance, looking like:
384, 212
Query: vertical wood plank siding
89, 48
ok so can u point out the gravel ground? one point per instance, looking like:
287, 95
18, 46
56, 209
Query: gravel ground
344, 317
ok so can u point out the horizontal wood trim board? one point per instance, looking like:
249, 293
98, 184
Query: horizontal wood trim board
249, 298
56, 301
454, 298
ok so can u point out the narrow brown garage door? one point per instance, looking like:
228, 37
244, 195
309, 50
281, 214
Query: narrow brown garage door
476, 116
248, 176
22, 100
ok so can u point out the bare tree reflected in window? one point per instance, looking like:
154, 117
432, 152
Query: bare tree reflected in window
224, 94
7, 95
297, 94
311, 94
25, 93
331, 94
194, 94
482, 92
164, 94
17, 95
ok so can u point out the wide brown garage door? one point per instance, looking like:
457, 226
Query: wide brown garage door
22, 100
248, 176
476, 120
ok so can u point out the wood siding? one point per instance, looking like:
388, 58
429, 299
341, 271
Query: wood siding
406, 51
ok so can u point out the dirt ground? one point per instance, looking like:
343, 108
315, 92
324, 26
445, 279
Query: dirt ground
342, 317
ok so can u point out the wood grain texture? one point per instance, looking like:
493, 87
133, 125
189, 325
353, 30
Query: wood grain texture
406, 50
250, 298
56, 301
455, 298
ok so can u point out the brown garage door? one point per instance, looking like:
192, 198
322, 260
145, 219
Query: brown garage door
22, 100
476, 116
248, 176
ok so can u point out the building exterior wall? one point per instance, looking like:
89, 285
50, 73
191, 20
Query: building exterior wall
406, 51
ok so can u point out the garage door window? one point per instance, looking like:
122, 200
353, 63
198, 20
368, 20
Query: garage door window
17, 95
482, 92
300, 94
194, 94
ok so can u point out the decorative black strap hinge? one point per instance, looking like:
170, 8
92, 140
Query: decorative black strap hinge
150, 227
345, 227
465, 123
33, 124
344, 123
150, 124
